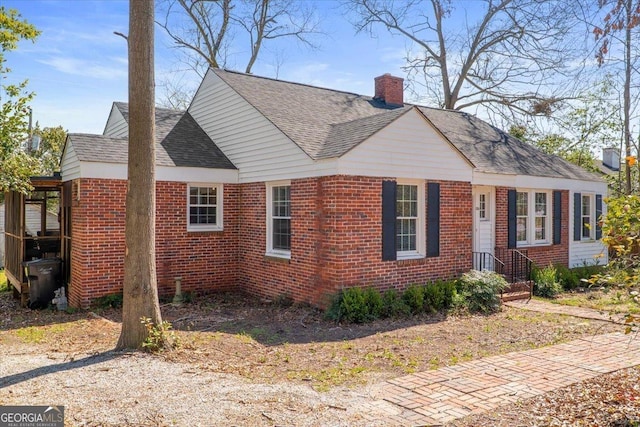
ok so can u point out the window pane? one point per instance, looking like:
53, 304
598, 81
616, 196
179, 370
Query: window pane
586, 228
522, 204
281, 201
541, 204
541, 232
586, 205
521, 229
282, 234
406, 237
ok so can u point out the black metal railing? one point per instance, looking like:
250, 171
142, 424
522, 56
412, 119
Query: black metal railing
487, 261
518, 269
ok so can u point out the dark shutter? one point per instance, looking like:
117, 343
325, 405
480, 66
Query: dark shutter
433, 219
389, 220
598, 215
511, 219
577, 216
557, 217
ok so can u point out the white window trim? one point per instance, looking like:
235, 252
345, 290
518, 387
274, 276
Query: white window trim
218, 226
421, 242
592, 216
531, 218
270, 251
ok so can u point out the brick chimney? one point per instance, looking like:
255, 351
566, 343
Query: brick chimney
389, 89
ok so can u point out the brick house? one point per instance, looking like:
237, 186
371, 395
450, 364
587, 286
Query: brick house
277, 188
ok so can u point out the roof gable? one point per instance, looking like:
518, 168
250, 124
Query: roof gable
179, 142
327, 123
495, 151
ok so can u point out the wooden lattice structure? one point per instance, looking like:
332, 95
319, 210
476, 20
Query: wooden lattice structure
33, 229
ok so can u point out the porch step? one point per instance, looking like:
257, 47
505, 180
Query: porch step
513, 296
518, 290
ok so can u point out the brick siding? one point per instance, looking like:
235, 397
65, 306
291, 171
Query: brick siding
204, 260
541, 255
337, 240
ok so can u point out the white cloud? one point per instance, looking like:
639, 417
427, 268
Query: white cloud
84, 68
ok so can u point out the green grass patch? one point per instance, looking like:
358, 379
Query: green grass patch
4, 283
610, 301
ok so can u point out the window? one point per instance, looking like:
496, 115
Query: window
587, 216
409, 221
533, 219
482, 207
204, 207
279, 219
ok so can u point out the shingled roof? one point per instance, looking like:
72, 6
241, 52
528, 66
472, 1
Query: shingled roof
180, 141
327, 123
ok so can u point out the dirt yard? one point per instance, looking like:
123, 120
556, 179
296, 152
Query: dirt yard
245, 362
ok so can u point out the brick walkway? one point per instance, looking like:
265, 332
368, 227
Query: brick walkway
439, 396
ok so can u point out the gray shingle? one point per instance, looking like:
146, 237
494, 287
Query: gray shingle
327, 123
180, 141
494, 151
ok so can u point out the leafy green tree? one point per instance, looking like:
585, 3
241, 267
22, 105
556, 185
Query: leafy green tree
51, 144
16, 165
621, 233
583, 129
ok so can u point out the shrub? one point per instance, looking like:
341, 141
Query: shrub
356, 305
481, 289
393, 305
413, 296
449, 291
434, 298
568, 279
545, 283
108, 301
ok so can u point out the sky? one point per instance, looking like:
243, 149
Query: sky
78, 67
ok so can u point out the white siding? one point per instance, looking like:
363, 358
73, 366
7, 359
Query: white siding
256, 147
586, 252
589, 253
163, 173
117, 126
69, 165
407, 148
525, 181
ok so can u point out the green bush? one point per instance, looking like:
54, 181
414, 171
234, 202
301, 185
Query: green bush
546, 284
393, 305
108, 301
449, 290
481, 289
413, 296
356, 305
569, 279
433, 297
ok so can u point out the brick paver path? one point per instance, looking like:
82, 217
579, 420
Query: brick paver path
439, 396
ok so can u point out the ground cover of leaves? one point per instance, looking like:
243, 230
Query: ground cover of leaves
269, 364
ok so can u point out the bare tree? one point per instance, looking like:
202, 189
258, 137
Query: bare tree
214, 27
140, 281
491, 53
623, 16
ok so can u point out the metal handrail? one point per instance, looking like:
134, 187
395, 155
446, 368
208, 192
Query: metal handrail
480, 262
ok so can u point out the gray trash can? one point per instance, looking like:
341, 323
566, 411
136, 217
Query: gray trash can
44, 277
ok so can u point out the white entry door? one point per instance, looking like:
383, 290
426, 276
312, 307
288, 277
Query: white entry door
483, 226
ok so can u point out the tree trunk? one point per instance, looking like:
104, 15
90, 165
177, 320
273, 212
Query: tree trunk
140, 283
627, 94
